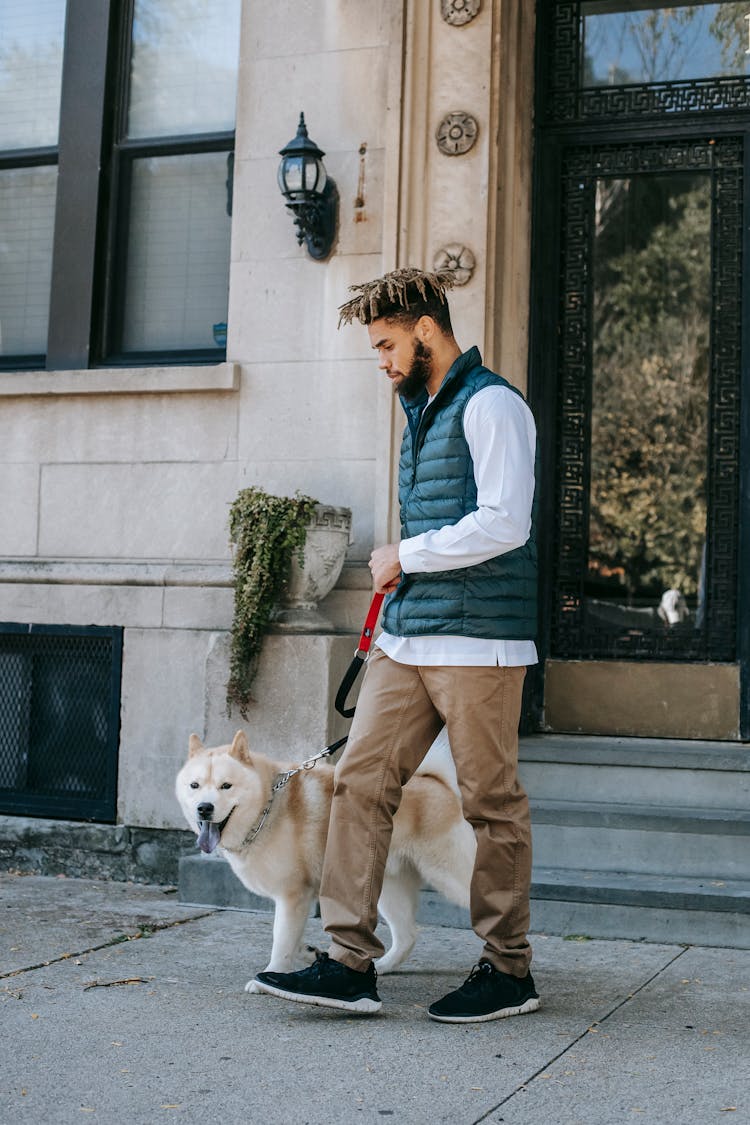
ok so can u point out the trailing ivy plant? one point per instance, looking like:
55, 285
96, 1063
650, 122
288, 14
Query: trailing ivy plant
267, 533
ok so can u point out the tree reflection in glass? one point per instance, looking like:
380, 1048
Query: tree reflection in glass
625, 41
649, 411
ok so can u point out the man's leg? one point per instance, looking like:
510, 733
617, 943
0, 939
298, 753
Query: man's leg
393, 728
482, 707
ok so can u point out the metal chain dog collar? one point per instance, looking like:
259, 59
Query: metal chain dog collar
283, 779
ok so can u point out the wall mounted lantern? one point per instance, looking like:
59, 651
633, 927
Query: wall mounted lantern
310, 194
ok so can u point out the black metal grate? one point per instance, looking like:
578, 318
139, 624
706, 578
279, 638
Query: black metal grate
59, 720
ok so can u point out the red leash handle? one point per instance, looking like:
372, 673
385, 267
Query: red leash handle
365, 641
371, 621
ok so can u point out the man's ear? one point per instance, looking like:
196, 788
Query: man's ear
425, 329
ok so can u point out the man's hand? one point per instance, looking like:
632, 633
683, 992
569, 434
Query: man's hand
385, 567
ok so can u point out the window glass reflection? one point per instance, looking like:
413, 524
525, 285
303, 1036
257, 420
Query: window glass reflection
638, 42
649, 411
183, 77
27, 217
31, 50
178, 253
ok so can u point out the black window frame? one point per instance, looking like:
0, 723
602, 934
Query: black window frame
94, 158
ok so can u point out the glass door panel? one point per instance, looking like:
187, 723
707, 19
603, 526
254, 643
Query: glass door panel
650, 341
648, 369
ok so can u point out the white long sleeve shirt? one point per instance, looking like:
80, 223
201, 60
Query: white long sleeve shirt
501, 435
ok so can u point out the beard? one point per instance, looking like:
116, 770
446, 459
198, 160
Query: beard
419, 372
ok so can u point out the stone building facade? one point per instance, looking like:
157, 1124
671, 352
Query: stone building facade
456, 132
118, 480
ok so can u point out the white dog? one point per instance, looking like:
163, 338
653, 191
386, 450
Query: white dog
673, 608
275, 842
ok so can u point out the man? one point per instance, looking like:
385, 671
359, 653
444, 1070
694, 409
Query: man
458, 632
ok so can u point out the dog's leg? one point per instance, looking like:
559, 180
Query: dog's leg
449, 867
290, 917
398, 906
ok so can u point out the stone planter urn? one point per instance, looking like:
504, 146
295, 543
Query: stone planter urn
328, 536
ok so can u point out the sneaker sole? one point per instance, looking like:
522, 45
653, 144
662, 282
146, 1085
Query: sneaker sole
362, 1007
530, 1005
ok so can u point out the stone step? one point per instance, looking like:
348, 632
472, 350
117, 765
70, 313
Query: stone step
581, 904
208, 880
603, 836
597, 904
660, 772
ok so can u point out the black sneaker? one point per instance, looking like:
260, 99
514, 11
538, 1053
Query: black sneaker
487, 994
327, 983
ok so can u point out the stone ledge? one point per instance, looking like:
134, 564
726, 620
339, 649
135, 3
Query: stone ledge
648, 818
659, 891
150, 572
656, 753
101, 572
92, 851
122, 381
591, 903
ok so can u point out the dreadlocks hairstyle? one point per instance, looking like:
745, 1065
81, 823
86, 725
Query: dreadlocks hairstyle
402, 296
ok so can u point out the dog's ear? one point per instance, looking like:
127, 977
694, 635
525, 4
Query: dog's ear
239, 748
194, 746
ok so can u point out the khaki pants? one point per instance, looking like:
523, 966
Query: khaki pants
400, 711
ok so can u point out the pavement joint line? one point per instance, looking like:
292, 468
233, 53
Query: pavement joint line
157, 926
587, 1031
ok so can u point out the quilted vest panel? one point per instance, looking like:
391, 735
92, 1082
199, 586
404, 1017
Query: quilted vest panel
496, 599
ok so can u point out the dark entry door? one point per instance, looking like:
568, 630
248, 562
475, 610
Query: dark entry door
636, 373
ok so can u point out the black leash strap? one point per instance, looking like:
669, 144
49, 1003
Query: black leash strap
334, 746
360, 656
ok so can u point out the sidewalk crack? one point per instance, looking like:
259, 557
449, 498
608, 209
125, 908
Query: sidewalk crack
152, 927
587, 1031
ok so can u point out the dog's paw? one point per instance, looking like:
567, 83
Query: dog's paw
253, 986
386, 964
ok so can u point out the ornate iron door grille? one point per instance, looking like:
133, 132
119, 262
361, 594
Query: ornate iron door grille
574, 635
568, 100
59, 720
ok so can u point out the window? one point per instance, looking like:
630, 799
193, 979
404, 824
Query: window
625, 42
31, 52
174, 158
120, 228
621, 59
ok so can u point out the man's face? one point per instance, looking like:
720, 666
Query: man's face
405, 359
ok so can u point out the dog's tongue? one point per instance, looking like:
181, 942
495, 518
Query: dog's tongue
209, 836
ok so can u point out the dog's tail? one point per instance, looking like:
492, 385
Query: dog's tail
438, 761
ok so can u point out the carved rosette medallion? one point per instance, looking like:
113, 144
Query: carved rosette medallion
457, 133
458, 259
459, 12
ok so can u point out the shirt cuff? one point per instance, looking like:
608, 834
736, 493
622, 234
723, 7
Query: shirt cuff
408, 554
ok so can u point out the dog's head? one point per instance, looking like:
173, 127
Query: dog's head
672, 608
217, 788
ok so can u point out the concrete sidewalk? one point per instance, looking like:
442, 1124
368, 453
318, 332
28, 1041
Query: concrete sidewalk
121, 1005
